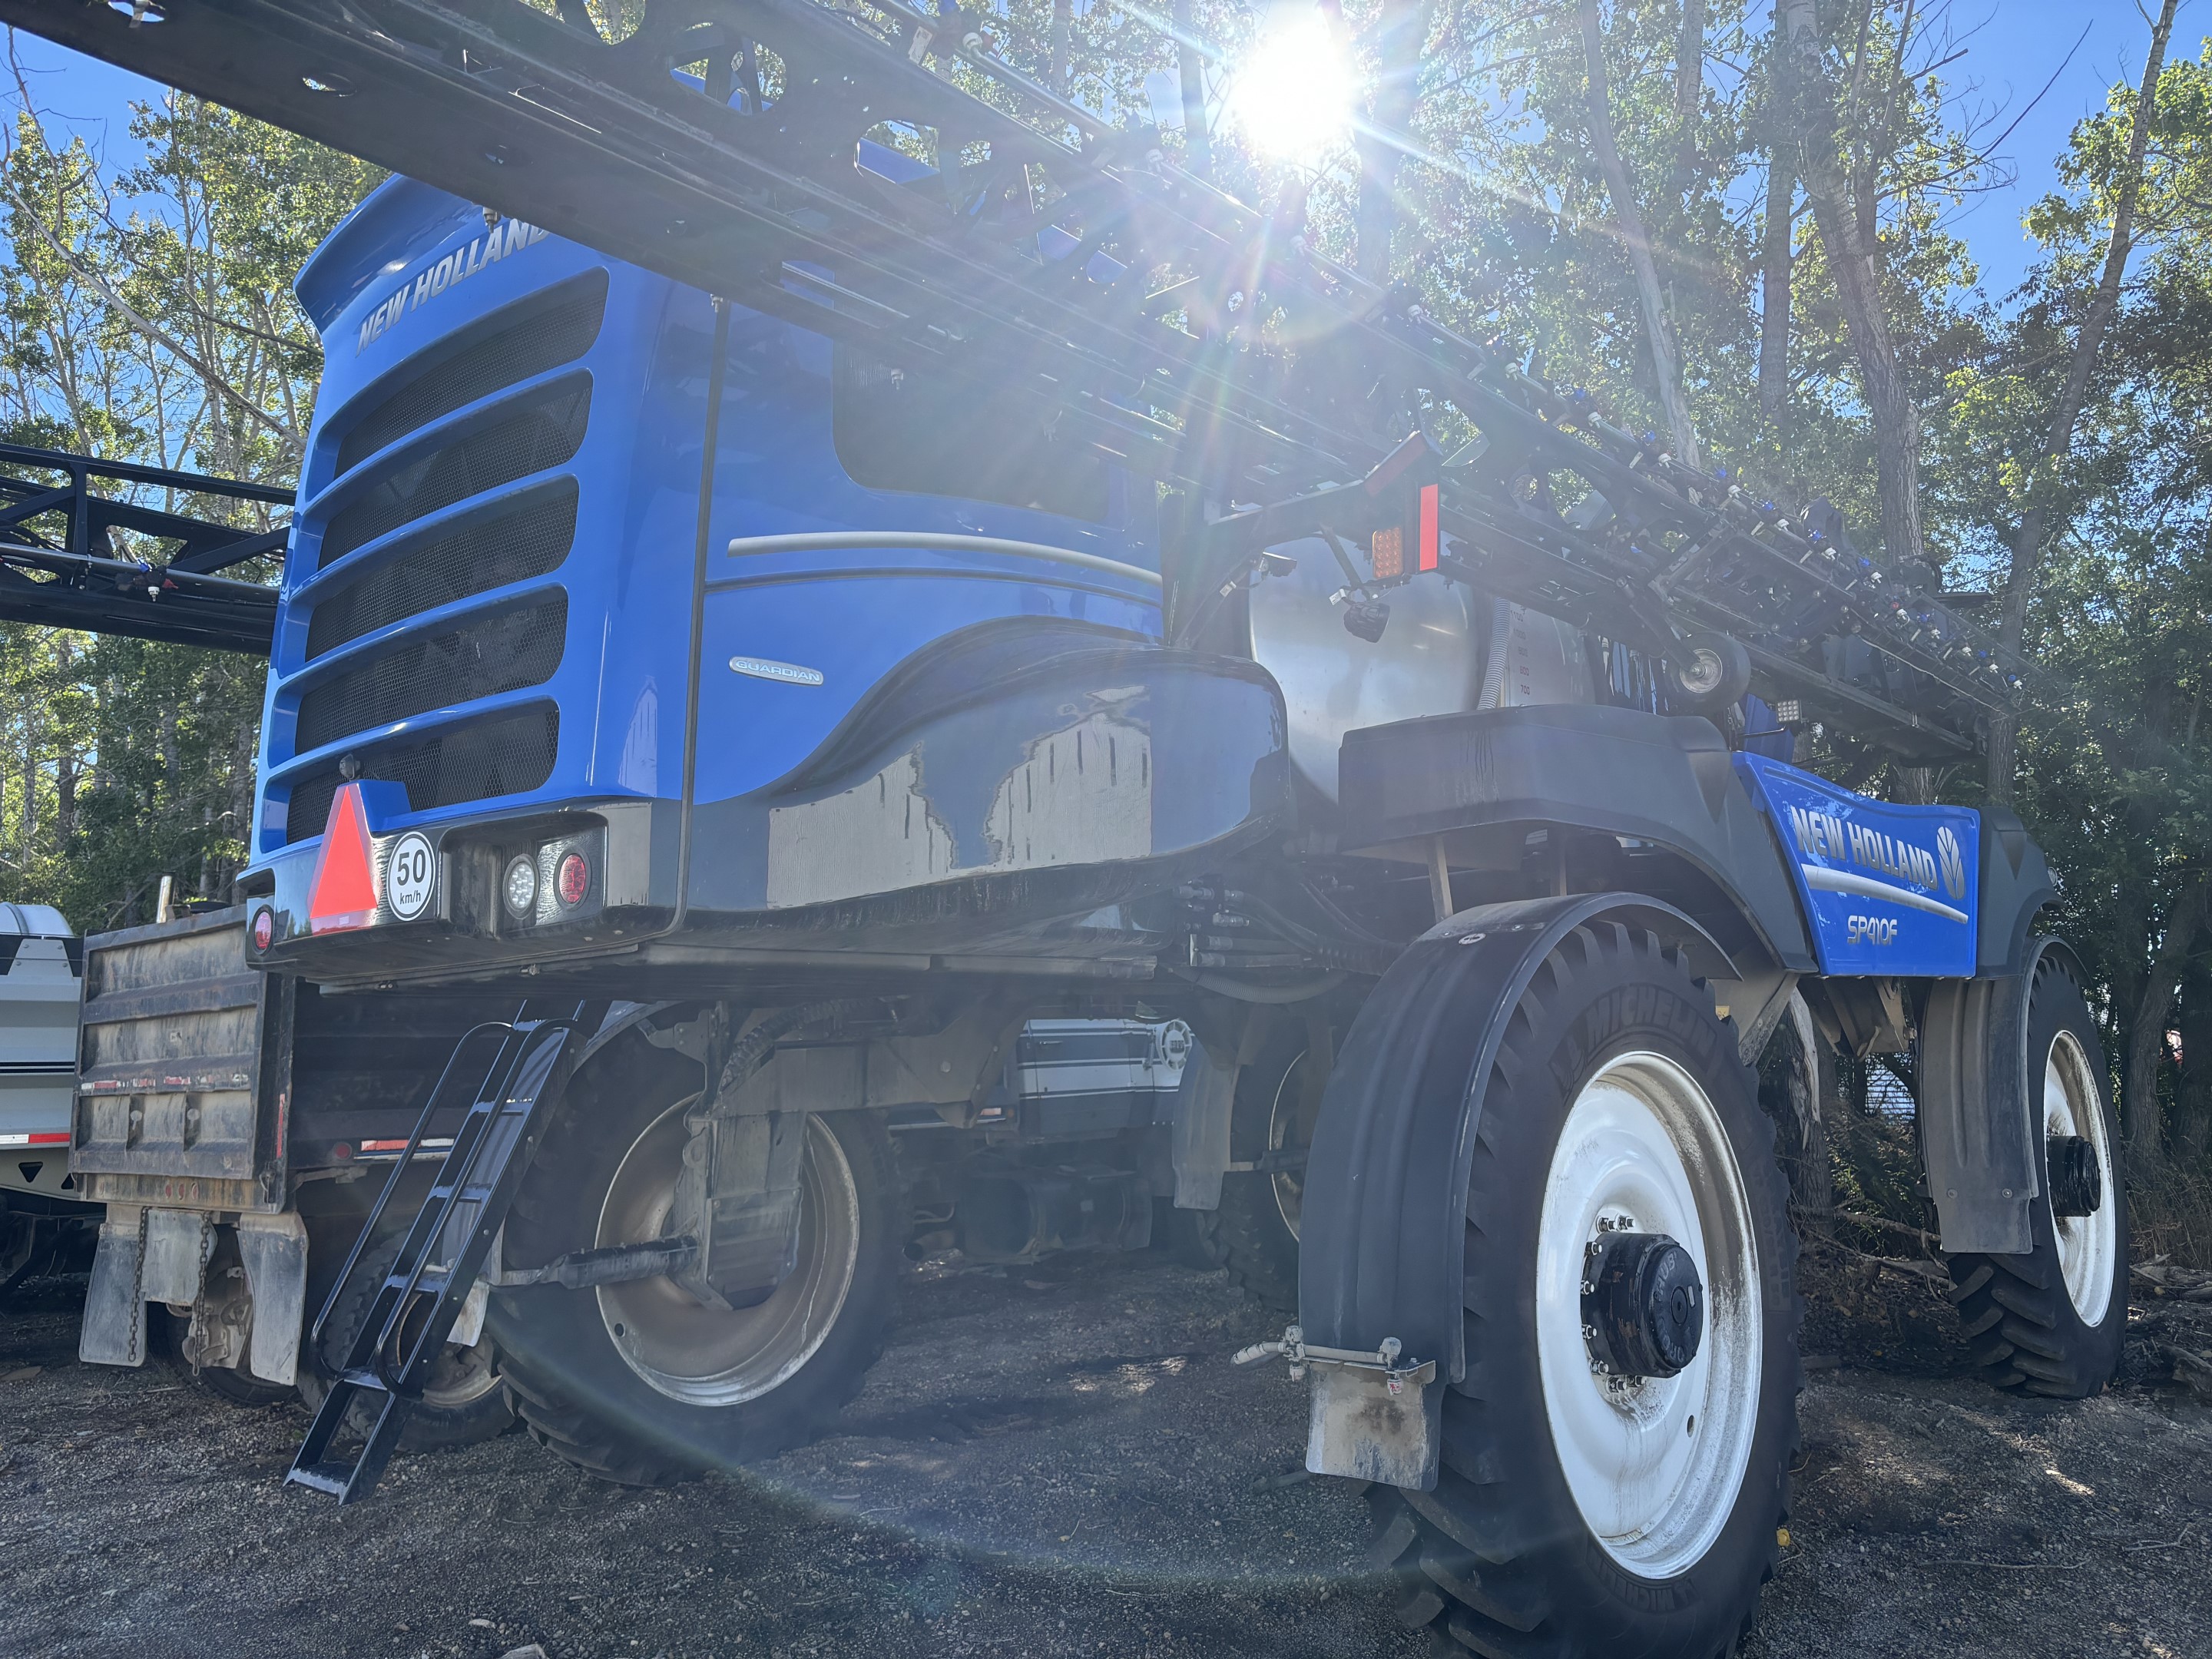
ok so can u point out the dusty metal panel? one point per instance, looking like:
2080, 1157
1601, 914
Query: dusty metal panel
177, 1246
1363, 1429
175, 1192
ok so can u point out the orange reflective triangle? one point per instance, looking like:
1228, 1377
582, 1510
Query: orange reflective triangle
344, 893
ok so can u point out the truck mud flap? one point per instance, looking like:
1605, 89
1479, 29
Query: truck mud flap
113, 1331
274, 1250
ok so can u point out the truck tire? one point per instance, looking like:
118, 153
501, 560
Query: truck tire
640, 1382
1631, 1516
2051, 1321
462, 1404
1257, 1227
165, 1333
242, 1388
1190, 1238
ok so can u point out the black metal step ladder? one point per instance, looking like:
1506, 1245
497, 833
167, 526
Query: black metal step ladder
515, 1071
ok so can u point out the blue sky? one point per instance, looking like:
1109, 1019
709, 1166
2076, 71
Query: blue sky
2012, 48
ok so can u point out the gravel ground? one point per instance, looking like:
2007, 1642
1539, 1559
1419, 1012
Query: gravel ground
1057, 1459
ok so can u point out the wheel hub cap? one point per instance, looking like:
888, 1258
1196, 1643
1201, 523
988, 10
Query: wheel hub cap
2077, 1186
1643, 1305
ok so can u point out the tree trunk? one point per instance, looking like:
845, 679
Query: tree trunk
1062, 12
2192, 1126
2147, 1032
1689, 93
1402, 29
1775, 257
2066, 413
1197, 143
1657, 333
241, 785
1851, 256
65, 779
1913, 786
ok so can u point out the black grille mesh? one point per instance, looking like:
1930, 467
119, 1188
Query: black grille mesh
544, 431
528, 539
506, 755
481, 658
559, 327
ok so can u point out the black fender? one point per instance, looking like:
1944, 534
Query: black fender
1480, 779
620, 1017
1383, 1226
2015, 884
1976, 1137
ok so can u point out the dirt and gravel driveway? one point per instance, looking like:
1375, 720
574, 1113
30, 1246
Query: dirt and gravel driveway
1058, 1460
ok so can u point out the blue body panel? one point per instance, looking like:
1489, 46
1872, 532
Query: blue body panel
1887, 890
411, 273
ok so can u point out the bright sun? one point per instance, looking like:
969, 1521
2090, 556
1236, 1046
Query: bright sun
1292, 95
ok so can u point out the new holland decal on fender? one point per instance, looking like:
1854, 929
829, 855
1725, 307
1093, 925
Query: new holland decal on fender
1885, 888
499, 241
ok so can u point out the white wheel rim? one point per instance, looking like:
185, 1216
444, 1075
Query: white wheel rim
707, 1356
1288, 1185
2088, 1245
1654, 1464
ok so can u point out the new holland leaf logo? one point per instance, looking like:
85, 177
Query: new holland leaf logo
1954, 862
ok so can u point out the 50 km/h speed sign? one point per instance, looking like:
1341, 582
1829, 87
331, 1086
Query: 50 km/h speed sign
411, 875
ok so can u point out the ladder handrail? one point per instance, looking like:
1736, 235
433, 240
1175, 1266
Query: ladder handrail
398, 1171
533, 1041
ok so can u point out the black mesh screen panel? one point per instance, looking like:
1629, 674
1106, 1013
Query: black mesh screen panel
507, 754
530, 537
481, 657
544, 431
556, 327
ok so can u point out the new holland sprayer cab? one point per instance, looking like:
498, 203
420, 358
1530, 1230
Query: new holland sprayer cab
780, 638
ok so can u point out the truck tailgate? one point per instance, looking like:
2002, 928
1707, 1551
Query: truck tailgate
183, 1068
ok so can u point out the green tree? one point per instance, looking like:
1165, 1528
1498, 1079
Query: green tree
146, 314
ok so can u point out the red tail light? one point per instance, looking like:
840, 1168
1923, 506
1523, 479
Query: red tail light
573, 879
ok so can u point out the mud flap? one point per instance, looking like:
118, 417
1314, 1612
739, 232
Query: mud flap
177, 1245
1361, 1429
1204, 1102
114, 1330
1976, 1133
274, 1250
738, 1195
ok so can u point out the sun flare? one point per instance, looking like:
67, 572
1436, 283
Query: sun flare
1292, 96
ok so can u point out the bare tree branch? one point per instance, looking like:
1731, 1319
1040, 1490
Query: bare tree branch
2066, 412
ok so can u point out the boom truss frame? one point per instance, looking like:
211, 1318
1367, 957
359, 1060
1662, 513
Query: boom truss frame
60, 566
1055, 259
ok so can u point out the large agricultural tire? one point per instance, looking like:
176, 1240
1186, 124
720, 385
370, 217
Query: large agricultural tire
2052, 1322
640, 1382
1578, 1514
1256, 1228
462, 1403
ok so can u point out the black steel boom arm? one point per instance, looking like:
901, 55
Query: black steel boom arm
60, 564
1052, 258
